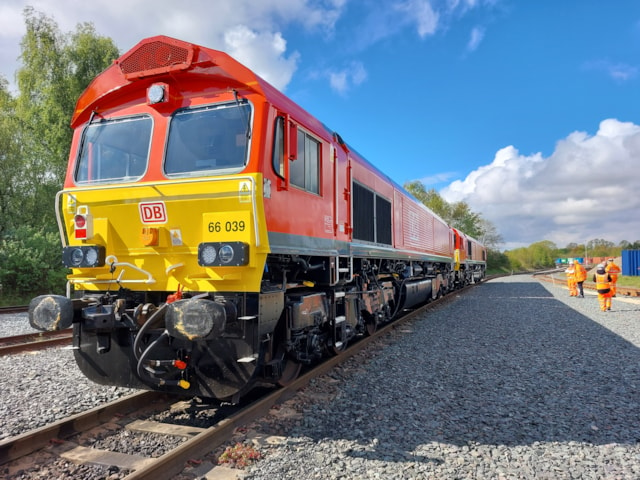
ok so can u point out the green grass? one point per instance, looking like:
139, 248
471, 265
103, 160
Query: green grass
627, 281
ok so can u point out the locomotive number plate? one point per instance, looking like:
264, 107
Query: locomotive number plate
226, 226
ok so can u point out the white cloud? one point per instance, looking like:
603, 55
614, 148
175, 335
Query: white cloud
214, 24
477, 34
437, 178
352, 75
587, 188
620, 72
264, 52
426, 18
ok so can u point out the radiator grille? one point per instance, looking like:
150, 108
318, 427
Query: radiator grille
156, 57
363, 217
371, 216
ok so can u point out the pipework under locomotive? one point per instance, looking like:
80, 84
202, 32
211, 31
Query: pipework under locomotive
219, 236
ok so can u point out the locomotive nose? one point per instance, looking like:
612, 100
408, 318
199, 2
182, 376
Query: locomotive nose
50, 312
198, 319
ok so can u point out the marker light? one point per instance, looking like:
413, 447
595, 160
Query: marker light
219, 254
83, 223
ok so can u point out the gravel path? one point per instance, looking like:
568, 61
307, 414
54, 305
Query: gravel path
42, 386
512, 380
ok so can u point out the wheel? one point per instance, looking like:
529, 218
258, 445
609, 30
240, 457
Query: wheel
371, 326
336, 349
290, 372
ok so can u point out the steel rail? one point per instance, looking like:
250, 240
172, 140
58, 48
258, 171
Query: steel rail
34, 341
33, 440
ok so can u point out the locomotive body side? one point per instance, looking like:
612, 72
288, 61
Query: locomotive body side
219, 236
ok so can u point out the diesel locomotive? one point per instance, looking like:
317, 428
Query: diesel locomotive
220, 237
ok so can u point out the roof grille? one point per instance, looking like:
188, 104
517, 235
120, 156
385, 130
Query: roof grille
155, 57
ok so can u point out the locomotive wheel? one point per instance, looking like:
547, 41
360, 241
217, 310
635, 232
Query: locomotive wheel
371, 326
290, 372
337, 350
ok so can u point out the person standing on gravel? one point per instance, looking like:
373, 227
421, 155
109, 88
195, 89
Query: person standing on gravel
571, 280
579, 275
613, 270
603, 286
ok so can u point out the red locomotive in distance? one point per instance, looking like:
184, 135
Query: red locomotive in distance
219, 236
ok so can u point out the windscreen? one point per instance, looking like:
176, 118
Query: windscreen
212, 139
114, 150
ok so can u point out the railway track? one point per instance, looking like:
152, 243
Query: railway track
34, 341
65, 438
18, 309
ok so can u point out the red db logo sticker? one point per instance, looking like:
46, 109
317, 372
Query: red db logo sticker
153, 212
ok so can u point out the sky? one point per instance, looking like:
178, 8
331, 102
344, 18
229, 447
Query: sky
527, 111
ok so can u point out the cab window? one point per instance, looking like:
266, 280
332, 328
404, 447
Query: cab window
114, 150
212, 140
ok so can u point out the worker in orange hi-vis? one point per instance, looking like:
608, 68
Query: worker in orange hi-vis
571, 280
603, 287
613, 270
579, 276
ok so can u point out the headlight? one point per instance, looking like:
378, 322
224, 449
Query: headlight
156, 93
86, 256
226, 254
208, 255
77, 256
223, 254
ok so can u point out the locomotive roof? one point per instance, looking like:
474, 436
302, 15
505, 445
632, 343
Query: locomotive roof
161, 55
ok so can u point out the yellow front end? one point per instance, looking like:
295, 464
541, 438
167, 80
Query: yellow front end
201, 235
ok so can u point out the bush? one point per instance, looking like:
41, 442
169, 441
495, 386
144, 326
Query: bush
30, 263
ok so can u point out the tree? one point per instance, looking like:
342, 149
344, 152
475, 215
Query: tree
601, 248
490, 236
431, 199
10, 164
34, 146
459, 216
462, 218
535, 256
55, 69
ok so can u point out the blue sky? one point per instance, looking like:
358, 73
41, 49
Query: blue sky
527, 111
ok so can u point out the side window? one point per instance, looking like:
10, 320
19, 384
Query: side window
278, 147
305, 170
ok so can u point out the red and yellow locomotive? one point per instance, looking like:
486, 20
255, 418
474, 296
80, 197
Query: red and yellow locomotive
219, 236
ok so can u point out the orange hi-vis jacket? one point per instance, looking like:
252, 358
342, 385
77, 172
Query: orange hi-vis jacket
580, 273
613, 270
602, 283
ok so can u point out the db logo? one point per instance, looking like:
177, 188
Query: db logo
153, 212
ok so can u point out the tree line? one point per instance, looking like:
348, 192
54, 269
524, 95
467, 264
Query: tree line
34, 147
35, 137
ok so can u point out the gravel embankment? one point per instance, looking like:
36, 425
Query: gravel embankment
512, 380
43, 386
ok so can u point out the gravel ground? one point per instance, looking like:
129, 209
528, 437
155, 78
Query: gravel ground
43, 386
512, 380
